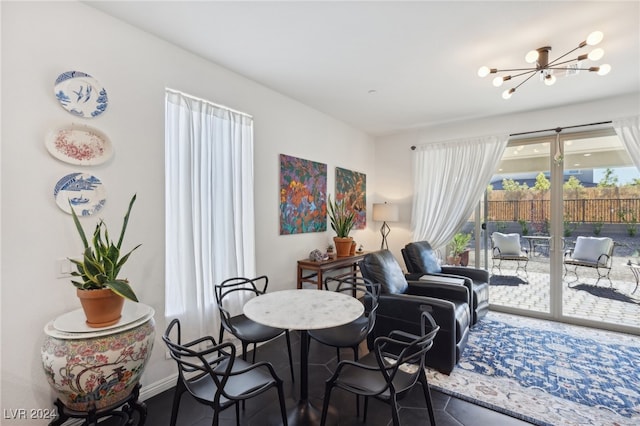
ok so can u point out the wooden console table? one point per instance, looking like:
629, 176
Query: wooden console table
317, 269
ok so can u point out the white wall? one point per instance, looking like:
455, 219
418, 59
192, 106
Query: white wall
394, 164
41, 40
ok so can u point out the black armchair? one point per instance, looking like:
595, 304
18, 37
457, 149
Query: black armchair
421, 259
402, 302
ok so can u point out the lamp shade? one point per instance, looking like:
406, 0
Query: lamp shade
383, 212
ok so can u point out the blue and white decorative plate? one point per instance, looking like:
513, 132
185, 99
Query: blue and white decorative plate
83, 191
80, 94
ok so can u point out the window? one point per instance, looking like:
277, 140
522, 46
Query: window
208, 207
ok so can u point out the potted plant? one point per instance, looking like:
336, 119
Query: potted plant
98, 270
458, 246
342, 221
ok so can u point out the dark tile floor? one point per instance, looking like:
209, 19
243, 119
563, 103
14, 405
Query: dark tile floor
264, 409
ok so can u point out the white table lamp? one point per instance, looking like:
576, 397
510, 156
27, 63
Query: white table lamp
383, 212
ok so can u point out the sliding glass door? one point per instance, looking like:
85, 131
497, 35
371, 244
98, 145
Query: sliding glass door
550, 191
519, 209
601, 204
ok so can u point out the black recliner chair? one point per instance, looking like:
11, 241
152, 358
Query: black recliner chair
421, 260
402, 302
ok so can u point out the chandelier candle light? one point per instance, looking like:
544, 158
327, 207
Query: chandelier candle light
384, 213
547, 69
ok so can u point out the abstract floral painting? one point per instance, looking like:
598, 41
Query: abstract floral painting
352, 188
303, 195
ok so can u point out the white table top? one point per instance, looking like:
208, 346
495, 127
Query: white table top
303, 309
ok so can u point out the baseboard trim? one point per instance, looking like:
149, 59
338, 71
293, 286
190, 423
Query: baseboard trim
158, 387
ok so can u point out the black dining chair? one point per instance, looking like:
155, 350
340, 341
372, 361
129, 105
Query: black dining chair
227, 294
389, 372
215, 377
352, 334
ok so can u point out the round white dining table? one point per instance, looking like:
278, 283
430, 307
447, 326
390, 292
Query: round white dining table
303, 310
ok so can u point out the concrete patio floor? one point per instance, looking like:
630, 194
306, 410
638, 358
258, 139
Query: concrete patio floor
614, 302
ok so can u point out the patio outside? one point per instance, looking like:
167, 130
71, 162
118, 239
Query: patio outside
615, 302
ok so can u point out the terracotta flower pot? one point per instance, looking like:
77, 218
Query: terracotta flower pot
101, 307
453, 260
343, 246
464, 258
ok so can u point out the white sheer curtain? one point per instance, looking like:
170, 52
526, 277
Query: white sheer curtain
449, 179
208, 206
628, 130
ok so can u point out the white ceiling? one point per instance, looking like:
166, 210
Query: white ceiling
420, 57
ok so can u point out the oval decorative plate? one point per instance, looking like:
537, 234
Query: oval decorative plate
80, 94
83, 191
133, 314
80, 145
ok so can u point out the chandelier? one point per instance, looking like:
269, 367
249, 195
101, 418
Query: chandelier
546, 69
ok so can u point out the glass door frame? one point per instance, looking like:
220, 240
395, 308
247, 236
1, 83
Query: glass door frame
556, 230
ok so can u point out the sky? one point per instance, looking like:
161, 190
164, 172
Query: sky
624, 174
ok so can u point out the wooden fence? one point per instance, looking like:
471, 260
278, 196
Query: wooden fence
580, 210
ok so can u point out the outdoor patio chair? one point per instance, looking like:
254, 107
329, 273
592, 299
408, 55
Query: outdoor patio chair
590, 252
507, 247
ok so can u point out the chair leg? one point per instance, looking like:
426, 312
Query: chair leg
244, 358
427, 397
394, 409
366, 406
355, 358
601, 275
238, 412
283, 408
244, 350
325, 403
176, 402
255, 349
338, 353
286, 334
574, 272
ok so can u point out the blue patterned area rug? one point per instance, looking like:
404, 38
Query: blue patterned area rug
548, 373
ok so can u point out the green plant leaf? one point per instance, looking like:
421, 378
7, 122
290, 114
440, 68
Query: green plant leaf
125, 223
101, 262
122, 288
126, 257
342, 220
83, 237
